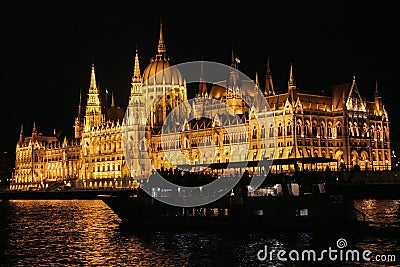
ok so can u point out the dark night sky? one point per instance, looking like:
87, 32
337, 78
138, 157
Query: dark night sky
47, 51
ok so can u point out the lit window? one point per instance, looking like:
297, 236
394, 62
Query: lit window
302, 213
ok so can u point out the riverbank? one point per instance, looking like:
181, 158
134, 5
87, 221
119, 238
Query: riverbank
64, 194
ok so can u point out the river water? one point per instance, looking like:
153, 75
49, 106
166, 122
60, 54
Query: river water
88, 233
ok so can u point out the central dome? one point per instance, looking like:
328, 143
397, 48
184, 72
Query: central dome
160, 71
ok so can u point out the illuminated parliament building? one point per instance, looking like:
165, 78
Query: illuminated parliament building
341, 126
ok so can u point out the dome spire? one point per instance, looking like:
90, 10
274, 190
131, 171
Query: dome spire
161, 45
202, 84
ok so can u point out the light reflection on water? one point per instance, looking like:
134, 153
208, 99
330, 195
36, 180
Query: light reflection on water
88, 233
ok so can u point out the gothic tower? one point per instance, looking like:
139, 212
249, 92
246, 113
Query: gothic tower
93, 113
163, 84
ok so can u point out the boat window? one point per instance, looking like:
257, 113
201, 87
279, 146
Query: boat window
302, 213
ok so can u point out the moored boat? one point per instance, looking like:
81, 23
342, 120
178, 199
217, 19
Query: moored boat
281, 206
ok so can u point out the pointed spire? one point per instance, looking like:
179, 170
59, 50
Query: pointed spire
80, 104
136, 83
93, 113
92, 79
21, 134
34, 131
292, 89
136, 70
354, 100
256, 81
268, 67
291, 77
269, 85
161, 45
232, 59
202, 84
376, 93
202, 69
112, 100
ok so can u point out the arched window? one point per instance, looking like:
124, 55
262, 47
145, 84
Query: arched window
330, 129
365, 130
289, 129
384, 133
322, 129
339, 129
351, 129
271, 130
280, 129
307, 129
378, 133
356, 129
314, 129
263, 132
372, 131
298, 128
254, 133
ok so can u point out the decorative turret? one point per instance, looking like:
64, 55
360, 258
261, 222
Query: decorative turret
269, 85
93, 114
202, 84
136, 83
234, 84
234, 87
78, 119
112, 100
378, 101
21, 135
354, 101
34, 131
292, 89
256, 81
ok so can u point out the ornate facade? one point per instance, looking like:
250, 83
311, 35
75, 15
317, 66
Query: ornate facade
340, 125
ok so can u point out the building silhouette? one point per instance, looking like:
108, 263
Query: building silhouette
340, 125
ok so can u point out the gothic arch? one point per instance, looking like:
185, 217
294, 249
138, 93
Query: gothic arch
364, 160
339, 129
354, 158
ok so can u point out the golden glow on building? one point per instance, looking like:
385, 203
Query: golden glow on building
340, 125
